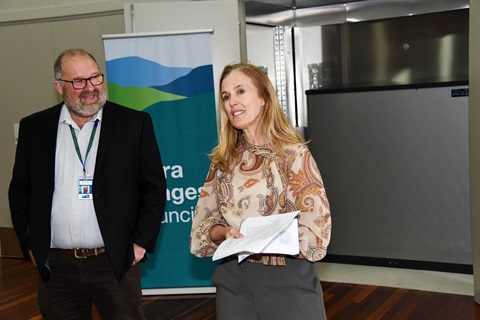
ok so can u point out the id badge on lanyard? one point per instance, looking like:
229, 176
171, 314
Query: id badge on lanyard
85, 182
85, 190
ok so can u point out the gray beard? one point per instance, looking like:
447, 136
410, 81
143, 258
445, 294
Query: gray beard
82, 110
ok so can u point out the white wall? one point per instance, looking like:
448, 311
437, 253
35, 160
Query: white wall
19, 10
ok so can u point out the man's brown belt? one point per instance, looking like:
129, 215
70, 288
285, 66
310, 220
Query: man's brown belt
81, 253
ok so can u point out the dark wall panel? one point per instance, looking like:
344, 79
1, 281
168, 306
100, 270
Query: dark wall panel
395, 166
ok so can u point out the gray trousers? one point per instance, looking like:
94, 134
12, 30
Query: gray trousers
253, 291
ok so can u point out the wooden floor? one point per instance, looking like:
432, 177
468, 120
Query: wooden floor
343, 301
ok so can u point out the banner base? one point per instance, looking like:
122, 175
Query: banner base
171, 291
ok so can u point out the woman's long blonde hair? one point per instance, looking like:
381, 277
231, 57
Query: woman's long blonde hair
273, 125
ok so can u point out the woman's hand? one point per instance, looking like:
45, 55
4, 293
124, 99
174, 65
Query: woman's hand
231, 232
219, 233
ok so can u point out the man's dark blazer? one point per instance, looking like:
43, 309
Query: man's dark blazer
129, 187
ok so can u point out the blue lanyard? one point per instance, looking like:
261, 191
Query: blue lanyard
77, 148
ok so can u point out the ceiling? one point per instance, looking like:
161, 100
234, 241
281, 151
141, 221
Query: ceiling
259, 7
321, 12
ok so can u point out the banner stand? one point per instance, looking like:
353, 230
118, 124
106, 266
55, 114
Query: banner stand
170, 76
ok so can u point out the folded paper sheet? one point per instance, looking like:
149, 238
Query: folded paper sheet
271, 234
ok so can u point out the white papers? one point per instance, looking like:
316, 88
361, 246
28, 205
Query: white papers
272, 234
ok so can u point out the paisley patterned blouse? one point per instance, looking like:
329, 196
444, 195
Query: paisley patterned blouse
264, 183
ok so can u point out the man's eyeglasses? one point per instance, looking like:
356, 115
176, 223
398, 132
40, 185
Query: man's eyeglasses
79, 84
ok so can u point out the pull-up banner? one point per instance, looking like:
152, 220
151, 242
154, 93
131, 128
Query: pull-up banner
170, 76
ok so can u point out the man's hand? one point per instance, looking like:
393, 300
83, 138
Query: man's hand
32, 258
139, 253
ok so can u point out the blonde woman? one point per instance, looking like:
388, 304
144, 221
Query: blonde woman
261, 167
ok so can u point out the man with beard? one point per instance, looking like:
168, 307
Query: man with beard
87, 196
